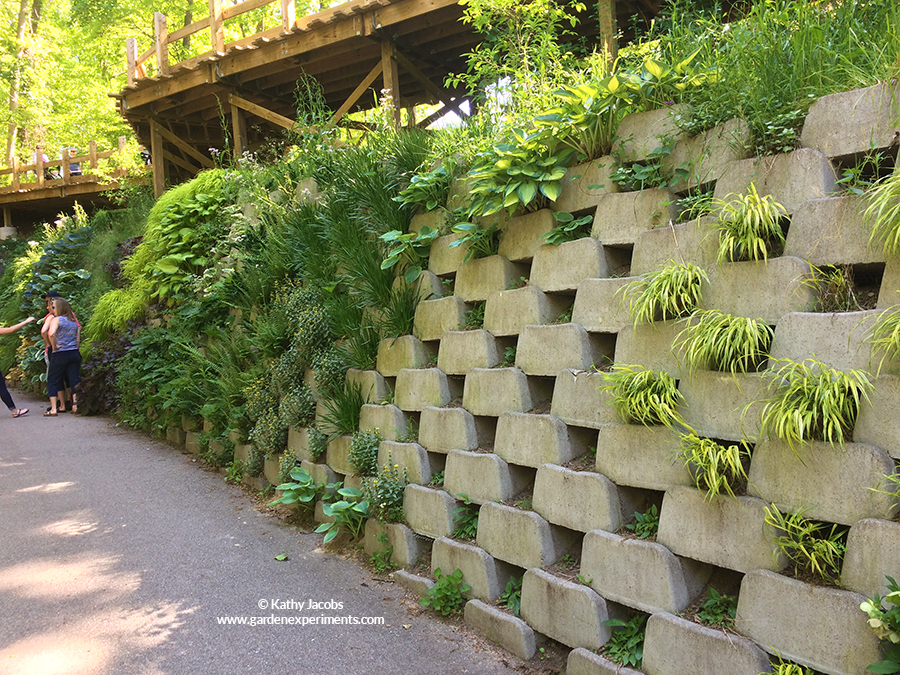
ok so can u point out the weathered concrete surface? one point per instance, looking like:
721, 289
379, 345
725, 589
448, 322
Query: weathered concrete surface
461, 351
403, 352
532, 440
705, 156
480, 571
429, 512
878, 423
446, 429
436, 317
518, 537
417, 389
639, 134
579, 401
508, 631
372, 383
546, 598
722, 405
442, 259
873, 553
524, 235
477, 279
561, 268
483, 477
694, 242
832, 231
584, 184
600, 306
407, 545
598, 498
585, 662
493, 391
639, 456
388, 420
508, 312
546, 350
621, 218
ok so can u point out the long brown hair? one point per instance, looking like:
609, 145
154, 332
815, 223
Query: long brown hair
63, 308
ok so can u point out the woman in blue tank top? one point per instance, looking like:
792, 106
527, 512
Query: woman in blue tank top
65, 337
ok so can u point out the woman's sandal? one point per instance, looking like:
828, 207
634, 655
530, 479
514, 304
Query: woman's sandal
20, 411
49, 413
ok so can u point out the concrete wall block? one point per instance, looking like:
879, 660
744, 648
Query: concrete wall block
192, 442
175, 435
546, 350
579, 401
652, 345
462, 350
832, 231
622, 218
532, 440
600, 306
639, 456
436, 317
337, 455
429, 512
508, 312
445, 429
694, 242
546, 598
409, 456
676, 646
524, 235
706, 155
389, 420
407, 546
520, 538
716, 404
791, 178
442, 259
853, 122
641, 574
374, 387
598, 506
395, 354
320, 473
815, 626
584, 184
760, 290
878, 422
271, 469
482, 477
582, 661
889, 296
420, 388
493, 391
480, 571
832, 483
298, 443
413, 582
508, 631
433, 220
873, 553
477, 279
727, 532
639, 134
427, 285
564, 267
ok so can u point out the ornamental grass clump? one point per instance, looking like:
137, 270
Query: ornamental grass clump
883, 215
885, 339
812, 402
714, 467
671, 292
749, 226
811, 546
726, 343
643, 396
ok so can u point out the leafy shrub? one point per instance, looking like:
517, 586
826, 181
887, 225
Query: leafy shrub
481, 241
446, 596
301, 488
645, 524
511, 597
626, 645
466, 519
749, 226
719, 341
408, 252
715, 468
671, 292
385, 492
269, 434
349, 514
297, 408
884, 619
643, 396
568, 228
429, 190
363, 455
810, 546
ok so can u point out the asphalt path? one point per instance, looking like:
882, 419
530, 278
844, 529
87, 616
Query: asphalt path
119, 554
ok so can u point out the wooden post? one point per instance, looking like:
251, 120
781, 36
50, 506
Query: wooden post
64, 153
7, 217
239, 130
160, 25
216, 26
159, 163
39, 167
15, 174
391, 78
288, 15
410, 116
131, 53
92, 152
607, 10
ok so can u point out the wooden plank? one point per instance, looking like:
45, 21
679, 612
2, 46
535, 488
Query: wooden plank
216, 28
7, 217
190, 29
157, 156
391, 78
131, 57
92, 153
146, 55
239, 130
64, 153
259, 111
288, 15
354, 97
162, 44
180, 144
178, 161
243, 7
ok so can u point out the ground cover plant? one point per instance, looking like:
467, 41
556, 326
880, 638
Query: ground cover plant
811, 546
719, 341
716, 468
749, 226
671, 292
643, 396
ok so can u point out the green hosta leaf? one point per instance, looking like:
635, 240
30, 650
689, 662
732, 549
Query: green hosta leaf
412, 274
889, 667
168, 265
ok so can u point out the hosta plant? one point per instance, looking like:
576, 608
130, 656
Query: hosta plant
301, 488
884, 619
349, 514
447, 594
409, 252
749, 226
719, 341
673, 291
811, 546
715, 468
429, 190
643, 396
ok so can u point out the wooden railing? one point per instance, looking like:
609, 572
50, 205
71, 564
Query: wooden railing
58, 172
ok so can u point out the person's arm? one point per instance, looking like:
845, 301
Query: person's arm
54, 325
4, 330
45, 330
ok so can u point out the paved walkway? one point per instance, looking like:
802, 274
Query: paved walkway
118, 554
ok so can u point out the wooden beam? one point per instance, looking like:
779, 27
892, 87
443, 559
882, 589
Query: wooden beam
453, 107
288, 15
7, 217
216, 27
607, 11
391, 78
131, 55
180, 144
259, 111
184, 164
157, 156
242, 7
239, 130
162, 43
190, 29
354, 97
439, 93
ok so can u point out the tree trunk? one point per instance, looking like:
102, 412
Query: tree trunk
16, 81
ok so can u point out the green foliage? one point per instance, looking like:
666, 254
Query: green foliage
269, 434
718, 609
809, 401
342, 410
447, 594
385, 491
834, 287
302, 488
646, 524
883, 215
480, 241
511, 597
360, 350
349, 514
235, 472
399, 314
626, 645
317, 442
473, 319
789, 668
509, 358
862, 175
811, 546
671, 292
718, 341
695, 206
749, 226
466, 519
363, 456
648, 173
409, 250
643, 396
113, 312
429, 190
715, 468
884, 620
381, 559
568, 228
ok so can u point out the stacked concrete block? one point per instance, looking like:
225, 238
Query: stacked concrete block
461, 351
675, 646
436, 317
524, 235
704, 157
640, 134
414, 583
583, 661
546, 350
639, 456
520, 538
878, 422
337, 455
388, 420
853, 122
533, 440
508, 312
483, 477
272, 469
395, 354
429, 512
873, 553
175, 436
652, 345
584, 184
621, 218
445, 429
546, 598
641, 574
477, 279
372, 384
791, 179
406, 546
760, 290
493, 391
433, 220
722, 405
579, 401
409, 457
485, 577
427, 285
192, 442
600, 306
298, 443
445, 259
320, 473
889, 296
423, 387
562, 268
508, 631
814, 626
832, 483
600, 505
832, 231
724, 531
695, 242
